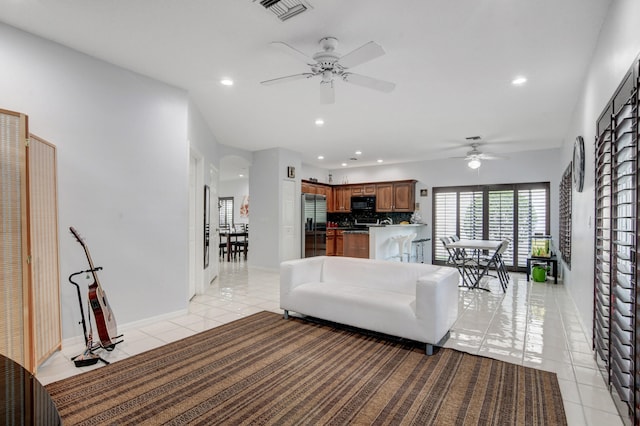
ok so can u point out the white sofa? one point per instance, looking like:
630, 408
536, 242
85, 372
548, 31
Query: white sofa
410, 300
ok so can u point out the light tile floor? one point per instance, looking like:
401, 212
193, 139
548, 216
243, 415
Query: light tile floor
533, 324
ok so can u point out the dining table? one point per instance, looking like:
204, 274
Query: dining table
473, 250
232, 236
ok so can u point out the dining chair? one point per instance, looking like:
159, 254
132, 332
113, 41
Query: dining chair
222, 246
466, 266
495, 261
241, 246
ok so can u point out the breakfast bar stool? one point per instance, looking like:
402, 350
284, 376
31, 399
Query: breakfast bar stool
419, 244
403, 241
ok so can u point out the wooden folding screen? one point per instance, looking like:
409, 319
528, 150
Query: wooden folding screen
616, 303
30, 327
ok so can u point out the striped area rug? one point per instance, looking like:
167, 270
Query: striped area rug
264, 369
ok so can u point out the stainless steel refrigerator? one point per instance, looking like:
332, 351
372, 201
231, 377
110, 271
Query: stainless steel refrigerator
314, 225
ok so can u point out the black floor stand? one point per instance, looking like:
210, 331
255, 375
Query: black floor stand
88, 357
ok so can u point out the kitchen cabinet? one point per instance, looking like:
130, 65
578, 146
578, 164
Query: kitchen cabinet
356, 244
307, 187
341, 199
362, 190
327, 191
395, 196
331, 242
339, 242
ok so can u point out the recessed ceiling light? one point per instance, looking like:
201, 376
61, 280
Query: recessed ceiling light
519, 81
241, 175
380, 160
358, 152
226, 82
344, 164
319, 122
320, 157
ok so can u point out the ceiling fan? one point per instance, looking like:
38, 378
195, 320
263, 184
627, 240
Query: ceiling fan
329, 65
475, 156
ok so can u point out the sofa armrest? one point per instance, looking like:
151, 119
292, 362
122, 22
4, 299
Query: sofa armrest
300, 271
437, 299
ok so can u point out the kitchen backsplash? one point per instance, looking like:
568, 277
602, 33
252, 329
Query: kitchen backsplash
348, 219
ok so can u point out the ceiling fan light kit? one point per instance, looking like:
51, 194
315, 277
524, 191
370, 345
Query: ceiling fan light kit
329, 64
474, 163
474, 157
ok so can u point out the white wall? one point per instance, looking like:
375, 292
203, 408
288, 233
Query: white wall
122, 169
205, 143
268, 171
618, 45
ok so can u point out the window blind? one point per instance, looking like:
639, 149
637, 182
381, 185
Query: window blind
226, 211
532, 219
446, 210
496, 212
615, 328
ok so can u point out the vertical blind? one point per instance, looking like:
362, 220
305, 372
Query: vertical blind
495, 212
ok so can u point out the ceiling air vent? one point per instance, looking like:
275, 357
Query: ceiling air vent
285, 9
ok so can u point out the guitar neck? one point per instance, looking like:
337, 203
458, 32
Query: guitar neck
87, 254
91, 267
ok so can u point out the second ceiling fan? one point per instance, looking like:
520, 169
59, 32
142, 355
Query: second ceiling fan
329, 65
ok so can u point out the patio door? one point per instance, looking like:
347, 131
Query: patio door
491, 212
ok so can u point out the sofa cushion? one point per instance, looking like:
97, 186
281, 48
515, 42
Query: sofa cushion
383, 275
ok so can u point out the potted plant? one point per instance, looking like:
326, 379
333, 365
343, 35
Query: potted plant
539, 272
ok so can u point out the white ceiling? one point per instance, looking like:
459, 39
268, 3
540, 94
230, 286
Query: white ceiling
452, 62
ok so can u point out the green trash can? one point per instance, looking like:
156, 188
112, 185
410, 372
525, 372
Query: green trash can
539, 272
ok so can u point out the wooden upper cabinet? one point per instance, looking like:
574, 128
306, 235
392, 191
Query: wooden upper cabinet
327, 191
369, 189
362, 190
357, 190
341, 199
308, 188
384, 197
396, 196
404, 194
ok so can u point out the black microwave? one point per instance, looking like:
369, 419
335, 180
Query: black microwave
363, 204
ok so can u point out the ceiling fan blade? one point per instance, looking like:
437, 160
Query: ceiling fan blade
370, 82
327, 92
287, 78
292, 51
492, 157
361, 55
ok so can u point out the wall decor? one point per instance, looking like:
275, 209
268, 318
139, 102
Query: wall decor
244, 206
207, 225
424, 192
